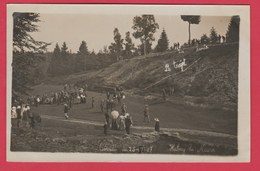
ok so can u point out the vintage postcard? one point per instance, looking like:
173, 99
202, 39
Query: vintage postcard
128, 83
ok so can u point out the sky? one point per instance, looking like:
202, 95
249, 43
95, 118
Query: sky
97, 30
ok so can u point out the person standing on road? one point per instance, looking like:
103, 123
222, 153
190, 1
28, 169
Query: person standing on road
123, 108
146, 114
19, 115
105, 128
164, 94
66, 111
157, 125
128, 123
102, 106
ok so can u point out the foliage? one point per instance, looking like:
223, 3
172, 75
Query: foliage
116, 48
129, 46
24, 24
163, 42
205, 39
232, 34
26, 51
191, 19
81, 57
145, 26
213, 35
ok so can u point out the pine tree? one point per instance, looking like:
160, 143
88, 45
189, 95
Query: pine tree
81, 58
26, 51
129, 46
163, 42
116, 48
213, 35
232, 34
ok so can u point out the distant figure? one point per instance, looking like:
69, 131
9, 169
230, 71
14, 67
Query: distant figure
164, 94
124, 107
92, 102
107, 119
102, 106
66, 111
105, 128
121, 122
19, 115
114, 116
13, 115
146, 114
128, 123
108, 95
157, 125
223, 39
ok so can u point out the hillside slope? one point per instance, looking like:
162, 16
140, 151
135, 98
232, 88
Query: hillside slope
210, 75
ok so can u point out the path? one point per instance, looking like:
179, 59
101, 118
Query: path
188, 131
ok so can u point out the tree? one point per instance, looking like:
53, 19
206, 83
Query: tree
26, 51
213, 35
129, 46
145, 26
24, 24
232, 34
163, 42
81, 58
64, 49
204, 39
191, 19
116, 47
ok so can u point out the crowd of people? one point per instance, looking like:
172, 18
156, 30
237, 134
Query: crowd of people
113, 106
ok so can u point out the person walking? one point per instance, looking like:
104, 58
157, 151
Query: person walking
128, 123
146, 114
66, 111
157, 125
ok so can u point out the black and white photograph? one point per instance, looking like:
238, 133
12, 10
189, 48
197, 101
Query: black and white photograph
128, 83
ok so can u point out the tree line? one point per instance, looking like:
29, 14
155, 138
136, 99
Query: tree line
27, 52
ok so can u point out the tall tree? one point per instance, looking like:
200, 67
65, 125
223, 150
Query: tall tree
191, 19
129, 46
64, 49
116, 47
163, 42
81, 58
145, 26
213, 35
232, 34
25, 50
23, 25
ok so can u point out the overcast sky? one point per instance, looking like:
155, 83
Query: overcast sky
97, 30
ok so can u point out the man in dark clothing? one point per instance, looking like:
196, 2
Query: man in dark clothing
164, 94
157, 125
105, 128
107, 118
146, 114
128, 123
